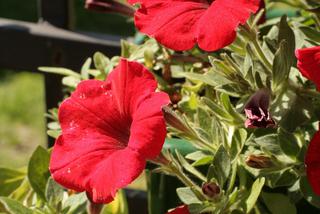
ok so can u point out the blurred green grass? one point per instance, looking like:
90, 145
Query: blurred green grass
22, 124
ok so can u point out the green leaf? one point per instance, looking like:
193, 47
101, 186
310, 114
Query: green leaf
127, 48
54, 133
287, 34
209, 78
217, 110
61, 71
238, 139
269, 144
311, 33
254, 194
203, 161
225, 101
150, 46
101, 62
70, 81
14, 207
278, 203
198, 155
221, 166
75, 204
187, 196
38, 171
281, 66
54, 193
10, 180
288, 144
22, 191
308, 193
231, 89
85, 68
189, 167
298, 113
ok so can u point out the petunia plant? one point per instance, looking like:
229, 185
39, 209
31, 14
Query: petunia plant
218, 106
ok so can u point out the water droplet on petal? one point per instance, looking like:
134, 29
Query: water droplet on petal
82, 96
68, 170
73, 124
108, 93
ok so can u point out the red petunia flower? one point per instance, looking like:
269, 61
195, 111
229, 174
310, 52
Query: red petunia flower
109, 129
309, 63
312, 162
180, 210
180, 24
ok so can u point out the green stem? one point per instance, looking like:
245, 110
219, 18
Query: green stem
170, 166
233, 177
187, 181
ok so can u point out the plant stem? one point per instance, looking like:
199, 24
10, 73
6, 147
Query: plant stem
171, 167
233, 177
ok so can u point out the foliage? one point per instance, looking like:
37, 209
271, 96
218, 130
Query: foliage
257, 170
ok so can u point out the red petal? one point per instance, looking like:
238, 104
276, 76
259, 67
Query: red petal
172, 23
180, 210
309, 63
100, 173
148, 130
96, 123
180, 24
312, 162
217, 27
131, 84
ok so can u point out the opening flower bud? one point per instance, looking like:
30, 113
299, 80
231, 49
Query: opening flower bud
256, 110
211, 189
259, 161
173, 120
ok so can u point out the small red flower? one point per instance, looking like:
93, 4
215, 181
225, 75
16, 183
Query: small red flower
180, 210
109, 129
309, 63
312, 162
179, 25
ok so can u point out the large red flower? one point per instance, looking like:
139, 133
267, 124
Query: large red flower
180, 24
309, 63
109, 129
312, 162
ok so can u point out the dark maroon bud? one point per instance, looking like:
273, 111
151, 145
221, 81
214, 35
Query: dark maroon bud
259, 161
257, 112
109, 6
210, 189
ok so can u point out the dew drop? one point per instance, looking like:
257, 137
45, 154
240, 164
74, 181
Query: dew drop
73, 124
108, 93
68, 170
82, 96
